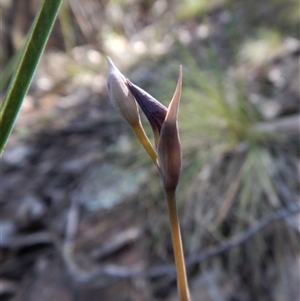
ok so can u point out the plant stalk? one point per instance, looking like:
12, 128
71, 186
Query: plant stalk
183, 289
141, 135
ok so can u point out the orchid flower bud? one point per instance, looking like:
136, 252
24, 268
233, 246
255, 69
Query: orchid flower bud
120, 95
124, 102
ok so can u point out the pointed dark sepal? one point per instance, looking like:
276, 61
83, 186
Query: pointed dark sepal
152, 108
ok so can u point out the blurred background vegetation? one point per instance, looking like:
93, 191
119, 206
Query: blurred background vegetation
79, 194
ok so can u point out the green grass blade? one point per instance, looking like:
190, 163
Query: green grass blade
31, 55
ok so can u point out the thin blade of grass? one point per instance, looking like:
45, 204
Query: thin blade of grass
31, 55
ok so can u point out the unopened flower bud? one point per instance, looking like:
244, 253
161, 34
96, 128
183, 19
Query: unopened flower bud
120, 95
124, 102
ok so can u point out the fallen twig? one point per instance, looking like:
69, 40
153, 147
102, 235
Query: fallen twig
169, 269
245, 235
117, 242
28, 240
289, 124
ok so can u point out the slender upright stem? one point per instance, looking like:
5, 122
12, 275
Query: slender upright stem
183, 289
141, 135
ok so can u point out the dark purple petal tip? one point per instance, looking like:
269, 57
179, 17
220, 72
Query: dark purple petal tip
152, 108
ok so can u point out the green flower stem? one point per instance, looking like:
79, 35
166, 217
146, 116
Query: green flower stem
183, 289
141, 135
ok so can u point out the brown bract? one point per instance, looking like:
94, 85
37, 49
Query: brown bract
169, 148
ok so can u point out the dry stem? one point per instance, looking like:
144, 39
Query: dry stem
139, 132
182, 284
